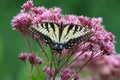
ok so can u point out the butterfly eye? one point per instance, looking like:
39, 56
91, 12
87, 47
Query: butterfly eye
55, 46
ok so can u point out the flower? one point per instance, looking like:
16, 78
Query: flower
49, 71
101, 36
71, 19
34, 59
66, 74
103, 39
102, 42
105, 67
38, 60
77, 77
23, 56
38, 10
28, 5
31, 59
21, 22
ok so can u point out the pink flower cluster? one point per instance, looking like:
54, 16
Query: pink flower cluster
105, 68
67, 73
49, 71
101, 41
32, 58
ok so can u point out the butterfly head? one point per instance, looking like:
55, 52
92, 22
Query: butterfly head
58, 47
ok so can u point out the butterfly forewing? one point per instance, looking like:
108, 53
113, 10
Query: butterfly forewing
66, 34
48, 29
71, 32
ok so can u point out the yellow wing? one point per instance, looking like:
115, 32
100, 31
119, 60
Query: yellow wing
72, 32
48, 29
61, 36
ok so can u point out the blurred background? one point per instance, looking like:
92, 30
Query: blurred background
12, 43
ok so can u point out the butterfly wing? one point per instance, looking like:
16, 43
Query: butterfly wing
49, 30
73, 33
61, 36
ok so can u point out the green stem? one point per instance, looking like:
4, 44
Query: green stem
27, 41
44, 52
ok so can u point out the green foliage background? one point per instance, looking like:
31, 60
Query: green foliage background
11, 42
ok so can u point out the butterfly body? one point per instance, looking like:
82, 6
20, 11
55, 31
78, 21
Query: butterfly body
61, 36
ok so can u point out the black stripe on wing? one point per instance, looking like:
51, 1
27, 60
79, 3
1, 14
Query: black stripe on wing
79, 34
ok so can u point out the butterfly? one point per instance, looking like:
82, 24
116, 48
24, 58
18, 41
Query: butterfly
61, 36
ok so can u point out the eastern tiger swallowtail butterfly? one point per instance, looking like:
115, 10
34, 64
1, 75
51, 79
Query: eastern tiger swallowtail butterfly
61, 36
